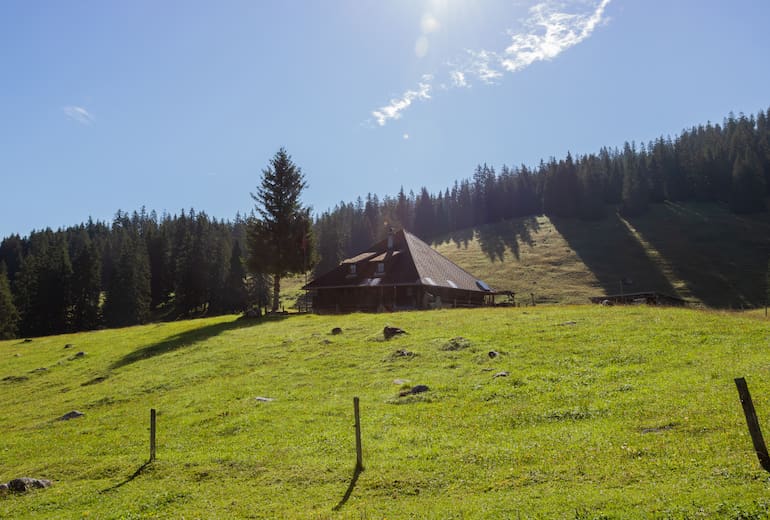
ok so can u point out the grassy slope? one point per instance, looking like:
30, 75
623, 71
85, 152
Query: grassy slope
700, 252
606, 411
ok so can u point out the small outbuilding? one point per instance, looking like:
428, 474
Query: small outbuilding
399, 273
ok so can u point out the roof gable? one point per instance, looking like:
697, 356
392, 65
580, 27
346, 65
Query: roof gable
409, 261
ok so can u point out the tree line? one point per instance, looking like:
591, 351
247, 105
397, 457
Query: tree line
137, 267
142, 266
727, 163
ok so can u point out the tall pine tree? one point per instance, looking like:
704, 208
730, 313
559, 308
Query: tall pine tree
280, 239
9, 317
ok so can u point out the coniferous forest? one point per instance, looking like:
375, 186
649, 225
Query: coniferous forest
142, 266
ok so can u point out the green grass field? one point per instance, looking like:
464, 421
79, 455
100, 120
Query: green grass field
605, 412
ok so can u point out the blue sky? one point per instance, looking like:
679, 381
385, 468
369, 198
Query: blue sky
108, 105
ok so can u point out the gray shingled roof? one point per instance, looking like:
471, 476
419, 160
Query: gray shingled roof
410, 262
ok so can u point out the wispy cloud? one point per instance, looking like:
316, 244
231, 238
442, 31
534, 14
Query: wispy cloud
550, 33
550, 29
78, 114
458, 78
397, 105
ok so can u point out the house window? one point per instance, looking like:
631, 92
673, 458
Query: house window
381, 268
352, 268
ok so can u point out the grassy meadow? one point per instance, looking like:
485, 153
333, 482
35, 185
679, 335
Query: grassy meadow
604, 413
699, 252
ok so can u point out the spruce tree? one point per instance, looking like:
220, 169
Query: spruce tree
636, 193
9, 316
235, 297
42, 286
280, 239
128, 293
747, 193
86, 288
424, 216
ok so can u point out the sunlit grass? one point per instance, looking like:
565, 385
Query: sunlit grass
623, 412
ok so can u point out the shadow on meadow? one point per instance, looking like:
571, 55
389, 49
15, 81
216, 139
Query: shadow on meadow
720, 256
136, 473
496, 239
356, 473
190, 338
614, 256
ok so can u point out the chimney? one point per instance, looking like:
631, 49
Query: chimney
390, 240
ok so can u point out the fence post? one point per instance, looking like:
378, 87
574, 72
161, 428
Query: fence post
359, 455
152, 434
753, 423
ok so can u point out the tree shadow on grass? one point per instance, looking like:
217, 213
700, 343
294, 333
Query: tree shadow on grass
356, 473
495, 239
188, 339
721, 256
613, 255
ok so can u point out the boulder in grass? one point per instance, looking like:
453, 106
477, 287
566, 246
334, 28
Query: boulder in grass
24, 484
337, 330
389, 332
416, 389
74, 414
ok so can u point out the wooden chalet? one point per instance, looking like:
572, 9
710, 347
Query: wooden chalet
399, 273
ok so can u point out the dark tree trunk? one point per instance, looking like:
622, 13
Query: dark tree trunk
276, 292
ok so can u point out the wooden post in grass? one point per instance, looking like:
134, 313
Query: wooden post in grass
359, 456
753, 423
152, 434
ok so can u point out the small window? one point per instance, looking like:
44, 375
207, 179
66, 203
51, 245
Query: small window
381, 268
352, 268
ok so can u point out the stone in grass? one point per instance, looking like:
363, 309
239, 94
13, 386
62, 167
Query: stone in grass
337, 330
501, 374
14, 379
416, 389
24, 484
68, 345
389, 332
74, 414
264, 399
80, 354
493, 354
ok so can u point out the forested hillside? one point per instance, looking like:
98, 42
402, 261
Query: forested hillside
139, 267
727, 163
142, 266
